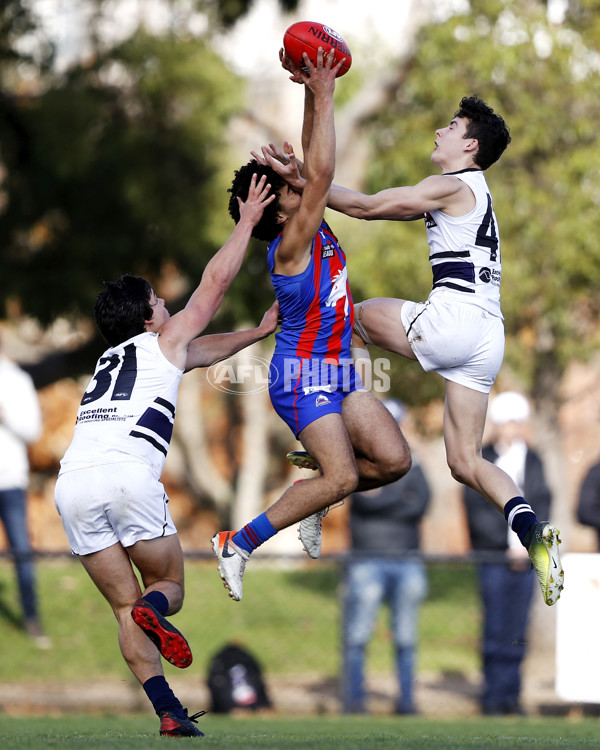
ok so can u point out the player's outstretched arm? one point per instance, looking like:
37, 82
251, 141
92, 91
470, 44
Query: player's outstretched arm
177, 332
205, 351
398, 203
299, 231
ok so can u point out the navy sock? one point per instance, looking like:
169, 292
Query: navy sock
254, 533
158, 600
162, 697
520, 517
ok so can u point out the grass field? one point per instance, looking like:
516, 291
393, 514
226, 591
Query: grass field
324, 733
289, 619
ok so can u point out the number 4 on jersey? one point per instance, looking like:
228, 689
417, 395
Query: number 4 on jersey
486, 234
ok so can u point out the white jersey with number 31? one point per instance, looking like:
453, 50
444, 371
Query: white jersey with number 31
128, 409
464, 251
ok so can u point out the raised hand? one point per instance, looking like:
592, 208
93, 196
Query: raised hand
324, 73
270, 319
258, 198
290, 66
283, 162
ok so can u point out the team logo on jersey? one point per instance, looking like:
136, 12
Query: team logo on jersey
339, 290
485, 275
321, 400
328, 250
429, 222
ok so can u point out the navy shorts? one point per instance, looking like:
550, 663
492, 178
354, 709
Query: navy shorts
303, 390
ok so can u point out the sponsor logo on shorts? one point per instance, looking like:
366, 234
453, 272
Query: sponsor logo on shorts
321, 400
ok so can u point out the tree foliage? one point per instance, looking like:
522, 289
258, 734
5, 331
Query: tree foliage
114, 166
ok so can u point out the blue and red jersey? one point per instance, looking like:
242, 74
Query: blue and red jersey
316, 307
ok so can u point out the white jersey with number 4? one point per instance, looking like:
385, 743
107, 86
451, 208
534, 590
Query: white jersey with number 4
464, 251
128, 408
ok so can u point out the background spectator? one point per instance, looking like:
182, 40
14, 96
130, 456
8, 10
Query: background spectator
506, 580
588, 508
20, 424
384, 566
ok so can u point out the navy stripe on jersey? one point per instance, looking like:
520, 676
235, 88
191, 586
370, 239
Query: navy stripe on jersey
458, 288
451, 254
457, 271
167, 404
155, 443
156, 424
155, 421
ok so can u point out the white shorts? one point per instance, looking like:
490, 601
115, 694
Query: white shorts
461, 342
102, 505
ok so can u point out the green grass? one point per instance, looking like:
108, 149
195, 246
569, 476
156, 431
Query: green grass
289, 619
313, 733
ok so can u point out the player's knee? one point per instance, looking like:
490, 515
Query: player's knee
346, 483
360, 337
395, 463
175, 606
460, 468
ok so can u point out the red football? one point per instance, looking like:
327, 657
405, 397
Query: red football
307, 36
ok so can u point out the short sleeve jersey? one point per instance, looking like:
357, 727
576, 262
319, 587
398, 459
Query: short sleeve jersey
128, 409
316, 308
464, 251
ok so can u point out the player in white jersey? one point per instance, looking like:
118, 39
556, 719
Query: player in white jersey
112, 504
458, 332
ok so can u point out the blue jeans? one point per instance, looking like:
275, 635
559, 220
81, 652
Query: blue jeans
507, 594
14, 518
400, 582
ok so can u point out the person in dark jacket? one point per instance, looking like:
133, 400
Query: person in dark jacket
385, 566
588, 508
506, 580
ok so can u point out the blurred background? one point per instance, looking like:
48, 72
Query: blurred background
121, 122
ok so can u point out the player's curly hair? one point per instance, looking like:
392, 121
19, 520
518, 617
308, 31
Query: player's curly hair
487, 127
122, 308
267, 228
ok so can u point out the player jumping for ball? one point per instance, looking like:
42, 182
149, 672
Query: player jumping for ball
459, 331
113, 506
313, 384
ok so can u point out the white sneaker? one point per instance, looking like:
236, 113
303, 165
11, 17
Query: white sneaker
309, 533
231, 562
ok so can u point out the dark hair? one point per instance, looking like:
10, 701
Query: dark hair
267, 228
122, 308
487, 127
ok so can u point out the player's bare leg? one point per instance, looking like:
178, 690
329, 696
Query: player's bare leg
327, 440
464, 421
112, 572
378, 321
381, 451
